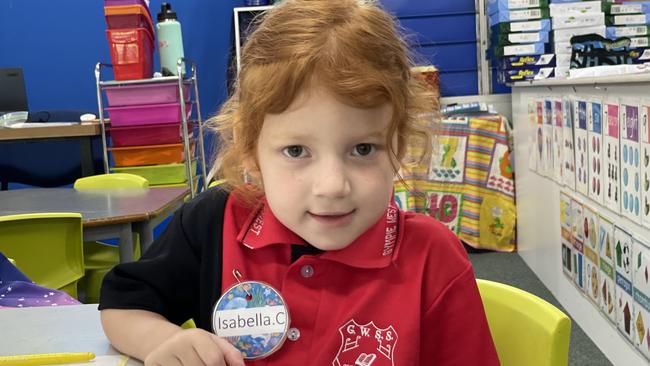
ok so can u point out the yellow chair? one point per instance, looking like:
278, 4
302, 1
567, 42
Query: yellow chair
12, 261
99, 258
215, 183
526, 330
46, 246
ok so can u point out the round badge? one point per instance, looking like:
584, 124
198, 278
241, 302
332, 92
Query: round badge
253, 317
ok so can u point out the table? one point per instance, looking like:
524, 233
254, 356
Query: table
84, 132
70, 328
105, 213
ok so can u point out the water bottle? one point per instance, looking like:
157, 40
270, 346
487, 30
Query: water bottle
170, 40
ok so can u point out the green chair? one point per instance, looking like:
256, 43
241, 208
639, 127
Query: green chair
526, 329
46, 246
99, 257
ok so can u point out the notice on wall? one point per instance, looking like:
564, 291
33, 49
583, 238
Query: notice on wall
595, 156
581, 147
547, 133
645, 163
607, 276
558, 130
565, 234
623, 266
611, 156
568, 150
641, 281
577, 241
592, 270
630, 162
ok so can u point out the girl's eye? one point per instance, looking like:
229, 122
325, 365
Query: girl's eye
363, 149
294, 151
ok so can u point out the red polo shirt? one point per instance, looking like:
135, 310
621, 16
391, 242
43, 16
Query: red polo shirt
403, 293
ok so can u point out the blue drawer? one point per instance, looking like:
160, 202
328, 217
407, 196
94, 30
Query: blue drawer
413, 7
449, 57
453, 84
434, 29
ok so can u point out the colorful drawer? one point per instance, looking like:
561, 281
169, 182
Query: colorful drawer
149, 155
137, 94
147, 114
159, 174
158, 134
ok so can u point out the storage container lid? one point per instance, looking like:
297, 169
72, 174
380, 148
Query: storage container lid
166, 12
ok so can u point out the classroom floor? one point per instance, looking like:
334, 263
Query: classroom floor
489, 265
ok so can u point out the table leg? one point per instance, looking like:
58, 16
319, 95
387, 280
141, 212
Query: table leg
126, 243
87, 164
145, 229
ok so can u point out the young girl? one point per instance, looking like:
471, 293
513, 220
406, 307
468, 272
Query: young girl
323, 112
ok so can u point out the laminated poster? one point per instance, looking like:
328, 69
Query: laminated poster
607, 278
558, 121
612, 157
577, 241
539, 137
630, 162
623, 266
590, 227
581, 147
568, 152
595, 156
645, 163
533, 156
641, 281
565, 234
547, 132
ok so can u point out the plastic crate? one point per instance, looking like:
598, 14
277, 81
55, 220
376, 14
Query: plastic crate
128, 16
147, 114
159, 174
137, 94
159, 134
131, 53
149, 155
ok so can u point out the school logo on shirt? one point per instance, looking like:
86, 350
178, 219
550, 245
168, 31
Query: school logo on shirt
365, 345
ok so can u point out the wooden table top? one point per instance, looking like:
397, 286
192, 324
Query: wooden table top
97, 207
45, 132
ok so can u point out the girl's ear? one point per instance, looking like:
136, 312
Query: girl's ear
251, 168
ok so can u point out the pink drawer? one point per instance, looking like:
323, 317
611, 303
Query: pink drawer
158, 134
147, 114
158, 93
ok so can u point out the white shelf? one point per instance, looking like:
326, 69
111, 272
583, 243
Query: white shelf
252, 8
613, 79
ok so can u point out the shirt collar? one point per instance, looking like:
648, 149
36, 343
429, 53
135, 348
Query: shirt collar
375, 248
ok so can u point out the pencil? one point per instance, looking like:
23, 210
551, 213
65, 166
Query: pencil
46, 359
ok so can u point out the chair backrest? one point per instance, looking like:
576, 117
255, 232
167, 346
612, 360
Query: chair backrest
46, 246
111, 181
526, 329
215, 183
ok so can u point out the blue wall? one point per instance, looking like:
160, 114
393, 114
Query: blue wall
58, 43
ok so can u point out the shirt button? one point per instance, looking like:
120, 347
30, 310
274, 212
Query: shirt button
293, 334
307, 271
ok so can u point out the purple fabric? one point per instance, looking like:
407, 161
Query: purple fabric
18, 294
17, 291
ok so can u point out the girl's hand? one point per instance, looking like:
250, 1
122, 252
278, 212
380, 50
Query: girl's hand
195, 347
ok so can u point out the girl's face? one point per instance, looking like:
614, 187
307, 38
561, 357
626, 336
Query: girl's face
325, 167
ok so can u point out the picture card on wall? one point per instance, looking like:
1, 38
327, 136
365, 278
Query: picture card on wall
630, 161
533, 156
568, 152
578, 239
607, 278
641, 282
565, 234
592, 270
612, 155
581, 147
547, 132
558, 129
645, 163
595, 143
624, 289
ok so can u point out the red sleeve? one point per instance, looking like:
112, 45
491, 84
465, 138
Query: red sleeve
455, 330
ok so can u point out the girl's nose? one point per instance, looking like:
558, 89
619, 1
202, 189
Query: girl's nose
331, 180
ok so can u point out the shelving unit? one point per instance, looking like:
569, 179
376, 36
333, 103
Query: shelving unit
538, 207
193, 179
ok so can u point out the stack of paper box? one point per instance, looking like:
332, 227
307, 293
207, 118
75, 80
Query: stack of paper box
629, 19
573, 18
519, 40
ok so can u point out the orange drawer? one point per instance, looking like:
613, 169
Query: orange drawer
149, 155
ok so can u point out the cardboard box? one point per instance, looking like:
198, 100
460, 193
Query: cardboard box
518, 62
578, 21
505, 5
629, 8
627, 31
521, 49
505, 39
542, 25
564, 35
527, 74
633, 19
518, 15
564, 9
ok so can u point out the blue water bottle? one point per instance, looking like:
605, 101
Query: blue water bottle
170, 40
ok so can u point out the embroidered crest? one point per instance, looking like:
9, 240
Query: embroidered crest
365, 345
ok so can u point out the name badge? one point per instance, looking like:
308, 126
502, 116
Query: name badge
253, 317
